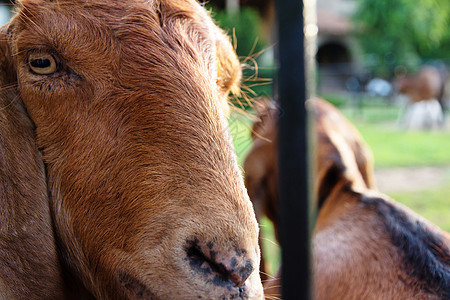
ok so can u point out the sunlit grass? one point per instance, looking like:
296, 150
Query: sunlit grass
272, 250
396, 147
240, 128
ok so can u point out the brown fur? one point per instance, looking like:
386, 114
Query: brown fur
365, 246
426, 84
27, 250
139, 165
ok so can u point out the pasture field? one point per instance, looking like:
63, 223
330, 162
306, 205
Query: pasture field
395, 147
392, 148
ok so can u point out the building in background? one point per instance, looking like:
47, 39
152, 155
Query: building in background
339, 56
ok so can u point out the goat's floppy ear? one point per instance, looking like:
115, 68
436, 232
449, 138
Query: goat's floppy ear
7, 71
26, 237
327, 180
228, 66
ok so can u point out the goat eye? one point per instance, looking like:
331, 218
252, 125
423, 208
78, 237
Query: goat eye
42, 64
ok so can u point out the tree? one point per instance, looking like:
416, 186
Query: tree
404, 32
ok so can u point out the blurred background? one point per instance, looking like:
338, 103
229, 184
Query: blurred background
384, 64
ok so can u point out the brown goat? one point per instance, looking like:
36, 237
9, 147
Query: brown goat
118, 178
365, 246
261, 164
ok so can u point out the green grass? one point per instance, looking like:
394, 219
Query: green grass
395, 147
240, 128
272, 251
392, 146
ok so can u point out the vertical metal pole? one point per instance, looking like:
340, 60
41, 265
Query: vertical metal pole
293, 152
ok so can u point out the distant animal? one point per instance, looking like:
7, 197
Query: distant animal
364, 245
118, 179
425, 91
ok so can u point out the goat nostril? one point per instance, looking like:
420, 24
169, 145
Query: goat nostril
239, 275
224, 265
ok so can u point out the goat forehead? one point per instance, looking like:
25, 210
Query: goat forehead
144, 26
142, 44
157, 16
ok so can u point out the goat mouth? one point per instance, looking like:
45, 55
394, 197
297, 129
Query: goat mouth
133, 288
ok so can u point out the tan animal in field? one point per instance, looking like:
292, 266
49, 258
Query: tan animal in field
426, 84
118, 179
365, 245
426, 103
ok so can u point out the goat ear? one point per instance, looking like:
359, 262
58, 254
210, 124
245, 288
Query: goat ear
228, 66
7, 70
327, 179
336, 173
24, 207
267, 117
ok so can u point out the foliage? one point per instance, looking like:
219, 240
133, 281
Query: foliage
245, 29
244, 26
402, 32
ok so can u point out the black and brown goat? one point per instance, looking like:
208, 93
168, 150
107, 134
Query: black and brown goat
364, 245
